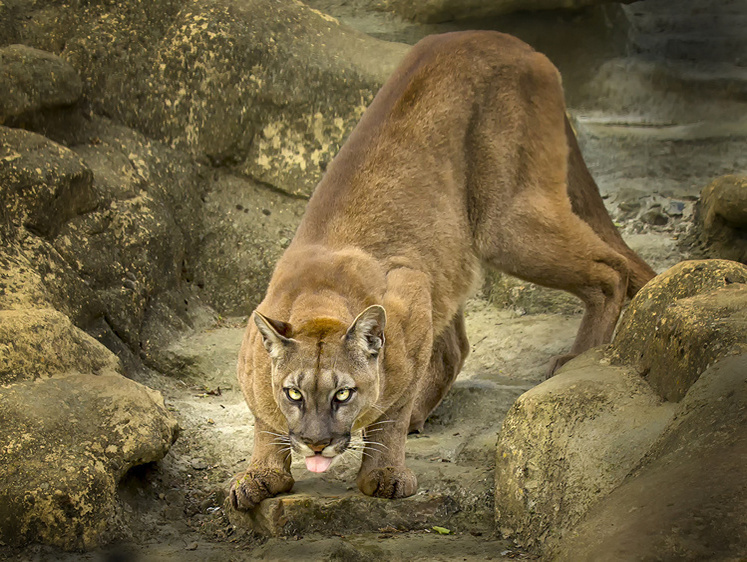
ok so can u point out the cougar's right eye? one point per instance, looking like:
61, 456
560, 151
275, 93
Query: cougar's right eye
293, 394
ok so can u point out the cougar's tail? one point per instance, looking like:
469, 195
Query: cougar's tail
587, 203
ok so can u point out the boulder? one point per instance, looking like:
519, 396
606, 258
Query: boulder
270, 87
103, 241
127, 251
65, 442
620, 425
40, 343
722, 218
682, 321
569, 442
686, 499
21, 285
32, 80
42, 184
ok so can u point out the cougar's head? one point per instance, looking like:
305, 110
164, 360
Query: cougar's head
325, 379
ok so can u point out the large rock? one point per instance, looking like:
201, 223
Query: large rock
569, 442
21, 285
42, 184
32, 80
568, 447
133, 249
38, 343
722, 218
271, 87
106, 226
686, 501
70, 427
682, 321
65, 442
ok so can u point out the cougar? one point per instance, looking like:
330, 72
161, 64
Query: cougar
464, 159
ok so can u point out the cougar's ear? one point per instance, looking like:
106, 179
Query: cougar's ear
275, 334
367, 330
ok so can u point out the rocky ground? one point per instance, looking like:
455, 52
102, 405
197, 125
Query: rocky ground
652, 140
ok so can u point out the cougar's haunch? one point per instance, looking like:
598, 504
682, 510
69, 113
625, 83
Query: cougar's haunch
464, 159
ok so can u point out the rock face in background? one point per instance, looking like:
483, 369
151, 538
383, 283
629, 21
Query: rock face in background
268, 87
437, 11
43, 184
246, 229
598, 435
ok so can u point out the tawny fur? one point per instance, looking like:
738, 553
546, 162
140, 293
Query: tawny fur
464, 159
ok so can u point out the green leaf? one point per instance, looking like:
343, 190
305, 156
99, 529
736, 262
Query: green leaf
442, 530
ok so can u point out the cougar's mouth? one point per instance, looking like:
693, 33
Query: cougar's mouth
318, 463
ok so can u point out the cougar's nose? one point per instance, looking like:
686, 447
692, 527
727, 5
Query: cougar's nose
318, 446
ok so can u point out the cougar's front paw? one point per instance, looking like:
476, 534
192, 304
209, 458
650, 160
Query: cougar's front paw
251, 487
388, 482
557, 362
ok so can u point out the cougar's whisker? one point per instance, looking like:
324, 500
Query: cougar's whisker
369, 443
273, 433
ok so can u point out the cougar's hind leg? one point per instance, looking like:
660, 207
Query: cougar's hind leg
587, 203
527, 227
549, 245
450, 349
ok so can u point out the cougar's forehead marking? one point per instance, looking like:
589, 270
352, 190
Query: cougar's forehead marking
320, 328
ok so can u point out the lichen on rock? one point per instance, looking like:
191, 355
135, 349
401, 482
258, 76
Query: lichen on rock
41, 343
681, 322
229, 82
65, 443
32, 80
608, 425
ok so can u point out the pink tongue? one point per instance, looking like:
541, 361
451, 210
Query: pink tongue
318, 463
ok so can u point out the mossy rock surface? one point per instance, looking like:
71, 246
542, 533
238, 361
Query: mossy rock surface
33, 80
686, 499
42, 184
41, 343
682, 321
65, 442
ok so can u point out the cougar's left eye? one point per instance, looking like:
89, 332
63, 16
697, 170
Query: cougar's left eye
344, 394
